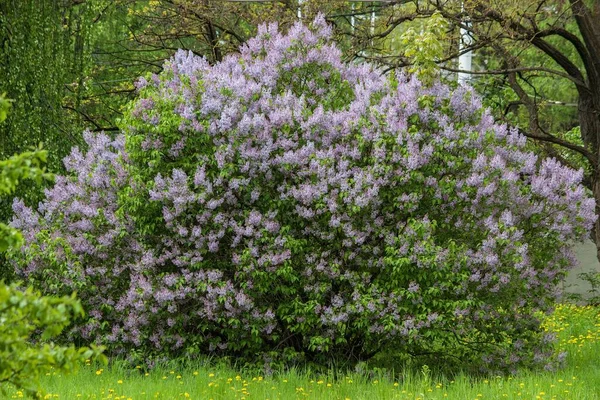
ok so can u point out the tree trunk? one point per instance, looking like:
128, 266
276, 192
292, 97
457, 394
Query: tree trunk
589, 98
589, 122
596, 230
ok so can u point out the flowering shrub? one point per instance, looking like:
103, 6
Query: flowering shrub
285, 204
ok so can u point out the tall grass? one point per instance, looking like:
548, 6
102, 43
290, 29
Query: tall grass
578, 329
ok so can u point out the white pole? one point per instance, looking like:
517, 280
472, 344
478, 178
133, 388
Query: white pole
464, 60
300, 9
373, 22
352, 20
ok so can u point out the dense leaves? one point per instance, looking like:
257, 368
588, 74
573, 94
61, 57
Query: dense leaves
283, 204
25, 316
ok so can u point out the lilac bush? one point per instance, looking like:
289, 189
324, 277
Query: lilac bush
285, 205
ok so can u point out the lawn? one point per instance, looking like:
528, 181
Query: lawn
578, 329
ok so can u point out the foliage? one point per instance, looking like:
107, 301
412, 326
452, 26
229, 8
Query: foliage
4, 107
426, 48
22, 315
286, 205
34, 70
22, 166
28, 315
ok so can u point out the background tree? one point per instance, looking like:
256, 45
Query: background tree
36, 63
541, 63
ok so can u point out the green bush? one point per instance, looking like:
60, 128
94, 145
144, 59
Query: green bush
27, 321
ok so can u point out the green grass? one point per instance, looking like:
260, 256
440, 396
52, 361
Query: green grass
579, 334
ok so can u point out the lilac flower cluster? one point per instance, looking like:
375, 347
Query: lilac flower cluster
283, 199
